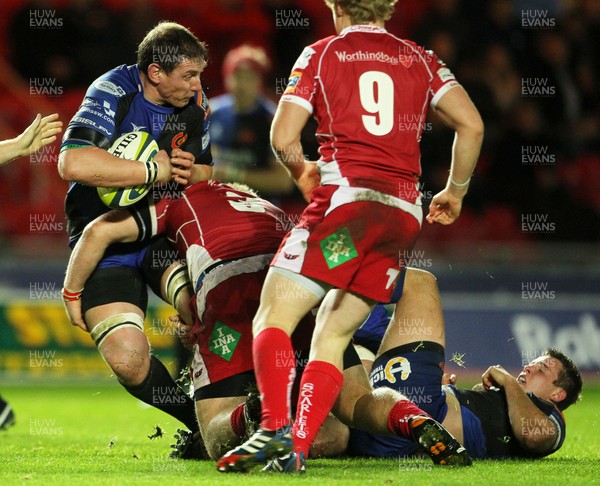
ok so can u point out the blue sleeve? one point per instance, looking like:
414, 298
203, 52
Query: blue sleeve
557, 419
98, 111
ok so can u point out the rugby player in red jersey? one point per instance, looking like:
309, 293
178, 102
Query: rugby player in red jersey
228, 237
369, 92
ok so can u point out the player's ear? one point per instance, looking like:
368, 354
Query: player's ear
154, 72
558, 395
338, 10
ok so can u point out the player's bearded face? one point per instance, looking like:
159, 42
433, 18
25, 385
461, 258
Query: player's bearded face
181, 84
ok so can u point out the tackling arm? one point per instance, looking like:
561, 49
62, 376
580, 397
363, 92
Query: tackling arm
532, 428
111, 227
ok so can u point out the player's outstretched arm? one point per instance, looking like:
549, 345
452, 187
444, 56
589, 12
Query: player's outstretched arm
532, 428
112, 227
41, 132
458, 112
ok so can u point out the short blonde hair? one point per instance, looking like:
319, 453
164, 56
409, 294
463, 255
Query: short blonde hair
361, 11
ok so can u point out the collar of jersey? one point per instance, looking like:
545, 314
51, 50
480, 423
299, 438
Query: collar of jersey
363, 28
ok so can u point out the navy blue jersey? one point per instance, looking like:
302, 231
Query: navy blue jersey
113, 105
493, 426
241, 139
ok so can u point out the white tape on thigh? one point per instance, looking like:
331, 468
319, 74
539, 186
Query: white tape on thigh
177, 281
111, 324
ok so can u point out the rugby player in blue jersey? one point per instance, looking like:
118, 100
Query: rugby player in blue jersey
161, 94
504, 416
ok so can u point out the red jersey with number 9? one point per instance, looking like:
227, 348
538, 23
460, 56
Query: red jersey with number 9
369, 92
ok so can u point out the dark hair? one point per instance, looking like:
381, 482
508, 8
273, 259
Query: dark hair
568, 379
168, 44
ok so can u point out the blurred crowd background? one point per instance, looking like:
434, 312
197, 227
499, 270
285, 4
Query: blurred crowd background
531, 67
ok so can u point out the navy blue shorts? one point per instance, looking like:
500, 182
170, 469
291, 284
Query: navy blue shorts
416, 371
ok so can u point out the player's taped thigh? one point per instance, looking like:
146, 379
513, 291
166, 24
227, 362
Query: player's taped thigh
315, 287
113, 323
176, 282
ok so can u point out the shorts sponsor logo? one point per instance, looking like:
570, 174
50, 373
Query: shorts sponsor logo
403, 368
223, 341
389, 370
338, 248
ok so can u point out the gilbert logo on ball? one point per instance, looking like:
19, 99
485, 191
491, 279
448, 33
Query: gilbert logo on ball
132, 146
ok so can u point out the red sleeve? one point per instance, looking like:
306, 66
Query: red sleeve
441, 78
302, 84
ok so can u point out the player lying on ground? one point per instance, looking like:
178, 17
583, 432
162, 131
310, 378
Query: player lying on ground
160, 94
506, 417
228, 238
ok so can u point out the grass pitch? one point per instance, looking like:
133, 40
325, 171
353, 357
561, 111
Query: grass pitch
99, 435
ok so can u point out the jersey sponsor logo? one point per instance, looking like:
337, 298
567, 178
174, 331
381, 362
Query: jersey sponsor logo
338, 248
405, 60
359, 56
390, 370
205, 140
99, 114
223, 341
289, 256
445, 74
178, 140
89, 102
87, 121
293, 82
108, 109
109, 87
303, 59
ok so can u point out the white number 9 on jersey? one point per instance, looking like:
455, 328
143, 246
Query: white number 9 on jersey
377, 98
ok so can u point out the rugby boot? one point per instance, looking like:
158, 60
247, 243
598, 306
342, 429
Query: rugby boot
437, 442
290, 463
258, 449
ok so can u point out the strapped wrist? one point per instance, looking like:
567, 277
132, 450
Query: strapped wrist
70, 295
460, 185
151, 171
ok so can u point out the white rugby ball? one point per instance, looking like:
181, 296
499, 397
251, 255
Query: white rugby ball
132, 146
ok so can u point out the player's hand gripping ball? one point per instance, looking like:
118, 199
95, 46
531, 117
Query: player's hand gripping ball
132, 146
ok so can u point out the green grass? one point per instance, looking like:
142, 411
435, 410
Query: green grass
98, 435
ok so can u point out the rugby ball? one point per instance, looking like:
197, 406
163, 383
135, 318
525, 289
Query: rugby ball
132, 146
